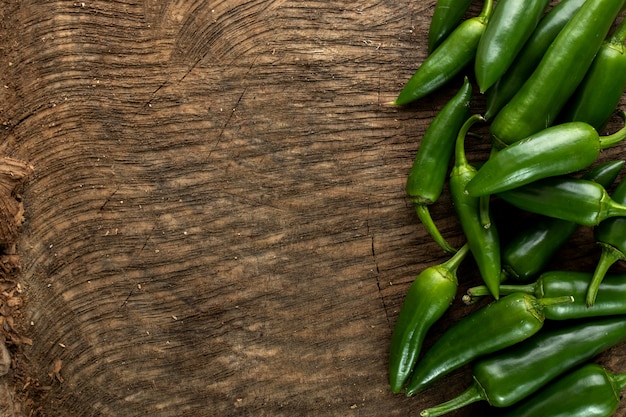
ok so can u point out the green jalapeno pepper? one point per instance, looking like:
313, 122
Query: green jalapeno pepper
510, 26
589, 391
610, 300
517, 372
611, 236
445, 62
430, 167
530, 251
598, 95
496, 326
483, 241
526, 61
535, 106
580, 201
447, 16
557, 150
527, 254
428, 298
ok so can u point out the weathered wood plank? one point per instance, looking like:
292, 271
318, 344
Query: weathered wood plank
216, 223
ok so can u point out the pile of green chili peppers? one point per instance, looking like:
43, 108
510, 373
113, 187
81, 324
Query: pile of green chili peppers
553, 75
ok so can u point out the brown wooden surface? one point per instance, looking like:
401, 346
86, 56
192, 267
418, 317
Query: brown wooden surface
216, 222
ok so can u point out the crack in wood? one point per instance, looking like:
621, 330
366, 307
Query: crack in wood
109, 198
232, 113
380, 294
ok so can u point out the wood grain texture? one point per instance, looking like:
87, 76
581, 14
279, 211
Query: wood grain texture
216, 224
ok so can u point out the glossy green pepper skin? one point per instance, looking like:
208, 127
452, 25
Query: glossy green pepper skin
589, 391
446, 17
524, 257
529, 252
580, 201
563, 67
484, 242
517, 372
526, 61
498, 325
445, 62
430, 167
610, 300
557, 150
428, 298
510, 26
598, 95
611, 236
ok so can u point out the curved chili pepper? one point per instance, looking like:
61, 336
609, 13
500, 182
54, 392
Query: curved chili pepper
496, 326
483, 241
445, 62
430, 167
589, 391
557, 150
611, 236
517, 372
597, 97
565, 63
446, 17
526, 61
529, 252
510, 26
610, 301
580, 201
428, 298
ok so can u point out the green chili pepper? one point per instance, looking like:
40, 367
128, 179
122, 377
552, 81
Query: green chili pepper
430, 167
557, 150
510, 26
496, 326
517, 372
529, 252
610, 301
580, 201
526, 61
447, 16
445, 62
483, 241
428, 298
598, 95
543, 95
589, 391
611, 236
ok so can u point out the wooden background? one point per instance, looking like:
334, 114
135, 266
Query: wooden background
216, 222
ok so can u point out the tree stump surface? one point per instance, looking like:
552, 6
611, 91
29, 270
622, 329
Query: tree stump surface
216, 222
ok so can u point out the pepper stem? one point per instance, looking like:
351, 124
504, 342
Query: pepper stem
615, 138
460, 159
424, 215
485, 218
475, 293
480, 291
545, 302
453, 263
611, 209
471, 395
608, 257
619, 380
485, 13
